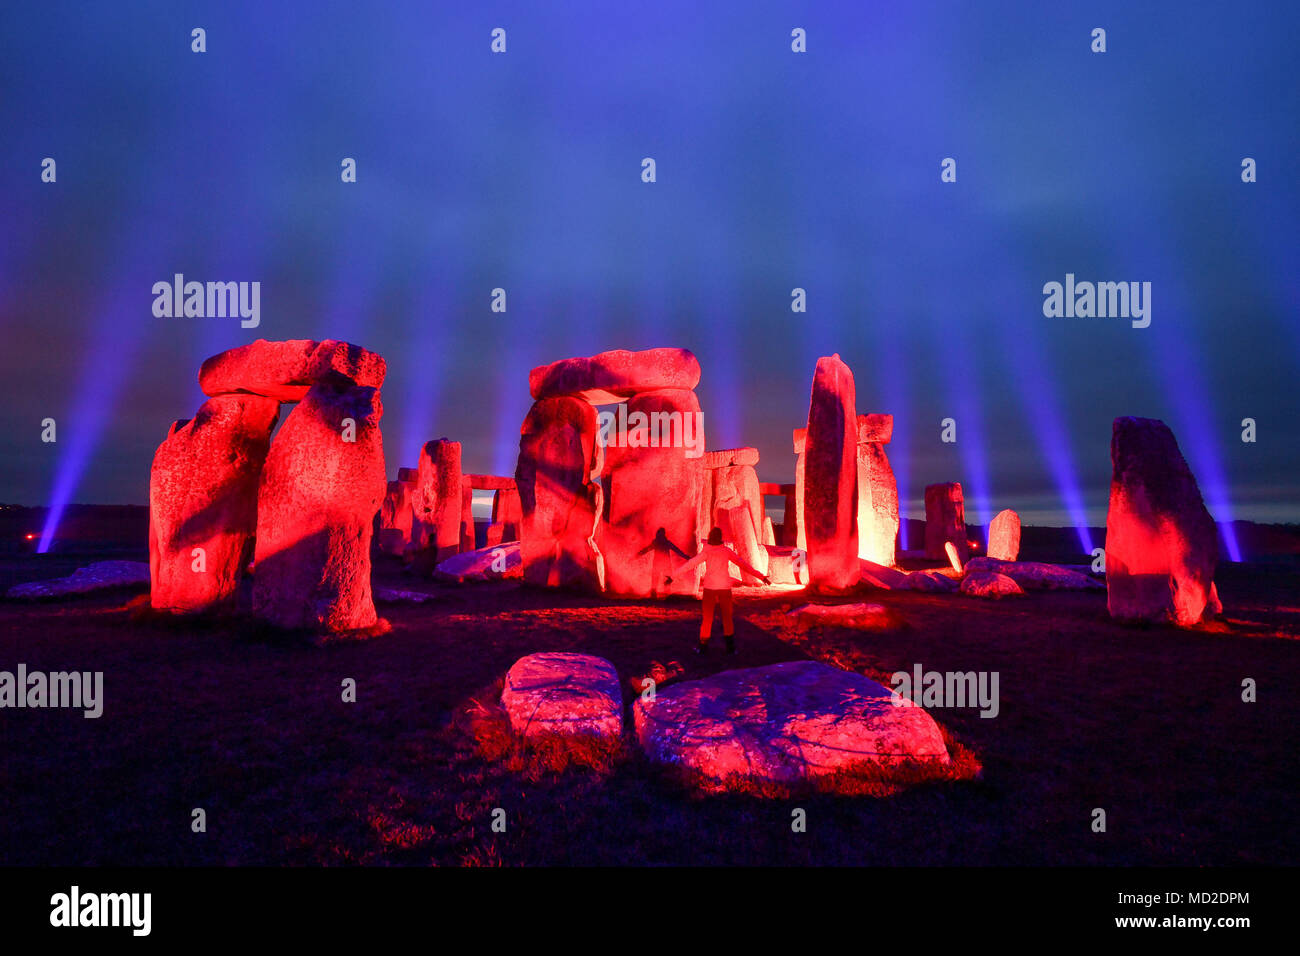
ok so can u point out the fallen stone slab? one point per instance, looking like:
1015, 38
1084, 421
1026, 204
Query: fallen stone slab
783, 723
929, 581
100, 576
396, 596
613, 376
563, 693
879, 576
989, 584
860, 616
1037, 575
286, 370
486, 564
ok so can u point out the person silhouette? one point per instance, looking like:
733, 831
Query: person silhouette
662, 562
717, 559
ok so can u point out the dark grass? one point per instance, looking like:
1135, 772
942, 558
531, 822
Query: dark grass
1144, 722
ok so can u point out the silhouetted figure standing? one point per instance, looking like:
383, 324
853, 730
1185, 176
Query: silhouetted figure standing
718, 559
662, 563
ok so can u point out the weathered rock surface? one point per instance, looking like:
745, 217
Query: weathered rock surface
945, 520
507, 516
787, 566
877, 501
316, 506
286, 370
398, 596
989, 584
203, 489
613, 376
647, 489
100, 576
563, 693
783, 723
437, 504
1161, 543
861, 616
1004, 536
560, 503
395, 518
1037, 575
486, 564
929, 581
830, 479
879, 576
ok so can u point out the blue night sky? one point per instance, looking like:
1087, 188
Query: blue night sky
775, 170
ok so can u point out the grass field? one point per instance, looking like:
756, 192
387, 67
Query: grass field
1147, 723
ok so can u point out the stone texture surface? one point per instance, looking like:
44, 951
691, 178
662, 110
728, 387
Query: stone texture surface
436, 504
507, 516
286, 370
203, 489
787, 566
876, 428
877, 502
945, 520
316, 506
646, 489
783, 723
1161, 543
612, 376
99, 576
563, 693
1037, 575
395, 518
560, 503
486, 564
1004, 536
953, 556
929, 581
989, 584
879, 576
830, 479
859, 616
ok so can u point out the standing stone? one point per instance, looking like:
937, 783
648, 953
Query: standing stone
647, 489
945, 520
1004, 536
466, 515
830, 479
877, 495
507, 515
316, 506
437, 504
395, 519
790, 527
560, 503
1161, 543
203, 494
